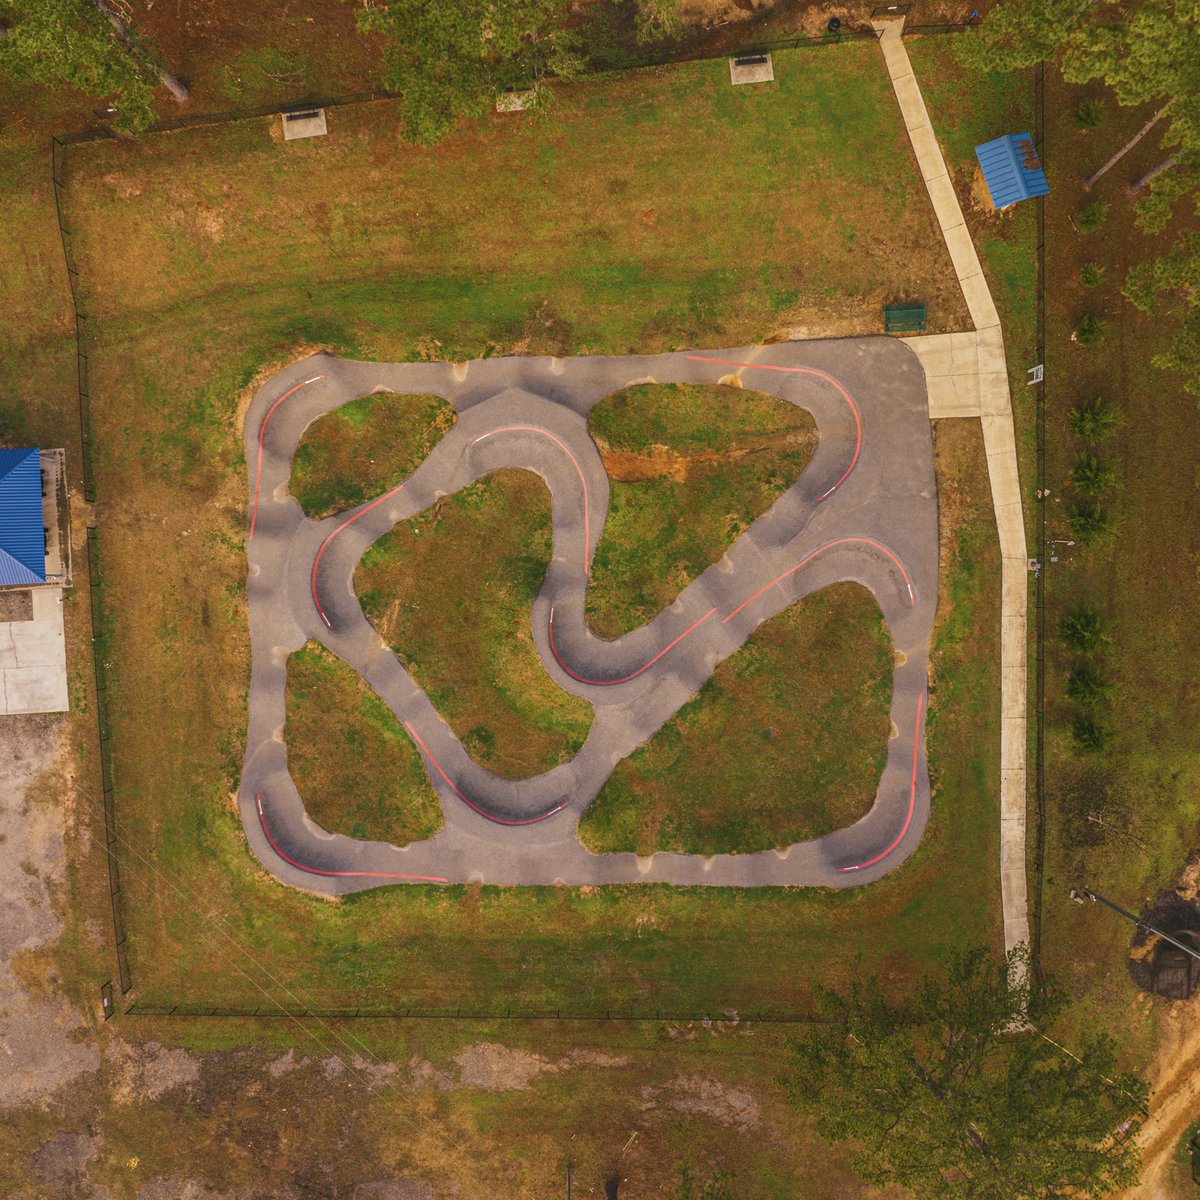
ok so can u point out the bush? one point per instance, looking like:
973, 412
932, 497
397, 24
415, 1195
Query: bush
1089, 735
1090, 331
1085, 685
1092, 216
1090, 476
1094, 420
1089, 522
1089, 114
1082, 630
1090, 275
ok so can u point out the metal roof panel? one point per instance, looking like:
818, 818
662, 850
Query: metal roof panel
22, 535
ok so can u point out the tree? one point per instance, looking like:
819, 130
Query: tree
1090, 331
84, 44
1082, 630
1147, 53
1089, 522
1090, 736
1092, 476
1086, 686
451, 60
1094, 420
950, 1092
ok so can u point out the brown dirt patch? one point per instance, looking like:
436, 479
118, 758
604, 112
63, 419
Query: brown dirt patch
661, 462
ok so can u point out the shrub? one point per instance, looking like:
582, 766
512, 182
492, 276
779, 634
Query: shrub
1092, 216
1089, 114
1090, 275
1085, 685
1089, 735
1089, 522
1090, 476
1094, 420
1090, 331
1082, 630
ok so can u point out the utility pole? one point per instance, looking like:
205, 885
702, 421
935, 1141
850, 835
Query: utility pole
1087, 891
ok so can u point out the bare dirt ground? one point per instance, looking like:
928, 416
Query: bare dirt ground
102, 1111
38, 1050
1174, 1106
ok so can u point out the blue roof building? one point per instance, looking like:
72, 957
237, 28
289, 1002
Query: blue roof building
22, 533
1011, 169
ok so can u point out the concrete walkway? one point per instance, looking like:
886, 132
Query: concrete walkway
967, 376
865, 509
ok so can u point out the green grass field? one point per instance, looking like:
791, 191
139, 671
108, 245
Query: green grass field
712, 238
691, 467
365, 448
785, 742
450, 591
357, 771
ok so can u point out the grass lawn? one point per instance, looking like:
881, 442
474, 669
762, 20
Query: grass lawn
209, 255
450, 591
691, 467
529, 232
365, 448
357, 771
785, 742
629, 949
1144, 784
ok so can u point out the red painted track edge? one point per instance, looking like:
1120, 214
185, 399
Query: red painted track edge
262, 432
412, 733
728, 362
317, 561
912, 797
624, 678
262, 820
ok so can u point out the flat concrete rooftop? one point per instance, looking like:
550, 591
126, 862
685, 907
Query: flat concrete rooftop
33, 658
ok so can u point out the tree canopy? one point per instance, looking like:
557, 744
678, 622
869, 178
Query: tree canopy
451, 59
949, 1091
72, 43
1147, 52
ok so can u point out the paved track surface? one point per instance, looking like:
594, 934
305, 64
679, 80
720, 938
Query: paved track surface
865, 509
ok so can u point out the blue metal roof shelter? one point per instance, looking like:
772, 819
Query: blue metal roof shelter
22, 534
1011, 169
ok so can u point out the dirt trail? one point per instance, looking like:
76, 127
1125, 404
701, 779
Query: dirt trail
1174, 1106
661, 462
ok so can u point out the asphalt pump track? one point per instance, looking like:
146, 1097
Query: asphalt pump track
865, 509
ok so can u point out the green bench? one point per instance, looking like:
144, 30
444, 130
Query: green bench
904, 318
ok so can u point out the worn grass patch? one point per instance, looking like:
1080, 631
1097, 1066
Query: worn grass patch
451, 590
208, 253
365, 448
785, 742
646, 211
357, 771
691, 466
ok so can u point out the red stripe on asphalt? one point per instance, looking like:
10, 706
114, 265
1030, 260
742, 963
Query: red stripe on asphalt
639, 671
587, 521
317, 561
262, 819
727, 362
261, 434
469, 803
912, 797
912, 597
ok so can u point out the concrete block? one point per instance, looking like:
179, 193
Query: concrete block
751, 68
304, 123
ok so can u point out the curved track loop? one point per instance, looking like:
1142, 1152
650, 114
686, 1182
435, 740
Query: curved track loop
864, 510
